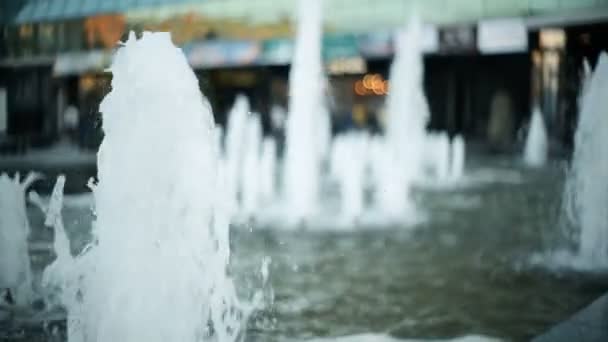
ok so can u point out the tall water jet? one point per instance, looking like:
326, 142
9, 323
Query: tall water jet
408, 115
306, 80
587, 188
156, 268
268, 170
438, 152
323, 129
348, 164
536, 149
15, 269
234, 147
458, 155
250, 173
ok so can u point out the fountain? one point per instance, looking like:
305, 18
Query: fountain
15, 270
536, 149
438, 152
348, 168
156, 267
268, 174
586, 193
323, 129
306, 79
234, 149
250, 173
458, 157
405, 137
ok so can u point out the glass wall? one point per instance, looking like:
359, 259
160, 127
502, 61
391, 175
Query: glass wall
41, 39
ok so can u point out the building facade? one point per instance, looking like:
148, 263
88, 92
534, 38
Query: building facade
53, 54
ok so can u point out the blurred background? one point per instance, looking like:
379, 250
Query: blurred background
482, 56
396, 231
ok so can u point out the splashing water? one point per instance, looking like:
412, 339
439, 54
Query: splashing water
302, 158
438, 152
235, 150
250, 173
156, 269
586, 188
535, 152
457, 163
15, 270
408, 113
56, 275
348, 162
268, 170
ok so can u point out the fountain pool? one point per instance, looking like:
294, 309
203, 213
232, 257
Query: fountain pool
463, 271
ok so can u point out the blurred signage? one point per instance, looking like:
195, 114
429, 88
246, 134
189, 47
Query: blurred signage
339, 46
343, 66
236, 78
552, 38
457, 39
105, 30
222, 53
375, 44
74, 63
502, 35
3, 110
276, 52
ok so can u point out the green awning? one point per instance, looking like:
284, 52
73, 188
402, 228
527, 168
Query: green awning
340, 46
29, 11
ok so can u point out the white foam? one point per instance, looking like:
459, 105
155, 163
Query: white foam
15, 271
156, 269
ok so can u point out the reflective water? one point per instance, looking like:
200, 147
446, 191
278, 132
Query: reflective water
463, 271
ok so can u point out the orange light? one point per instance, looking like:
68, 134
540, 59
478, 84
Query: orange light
385, 86
368, 82
360, 88
378, 85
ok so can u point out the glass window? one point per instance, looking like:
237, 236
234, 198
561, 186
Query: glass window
12, 41
4, 43
27, 42
71, 35
46, 38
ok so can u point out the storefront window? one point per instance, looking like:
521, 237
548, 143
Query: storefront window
12, 40
26, 44
46, 38
3, 41
70, 36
